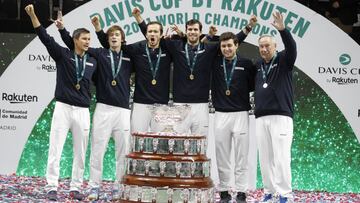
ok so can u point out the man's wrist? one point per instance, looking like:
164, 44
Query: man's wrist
209, 37
248, 28
281, 28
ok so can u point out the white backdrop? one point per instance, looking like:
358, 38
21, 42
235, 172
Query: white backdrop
325, 53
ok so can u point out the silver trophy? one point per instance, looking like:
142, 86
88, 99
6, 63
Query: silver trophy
166, 117
185, 195
167, 166
171, 144
155, 143
154, 194
162, 168
170, 193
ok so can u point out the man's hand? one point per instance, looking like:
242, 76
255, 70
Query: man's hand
336, 4
96, 23
166, 35
59, 24
212, 31
175, 28
278, 22
30, 10
252, 21
136, 12
137, 15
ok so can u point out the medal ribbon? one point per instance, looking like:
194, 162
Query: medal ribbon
79, 73
191, 65
115, 72
266, 73
153, 70
227, 77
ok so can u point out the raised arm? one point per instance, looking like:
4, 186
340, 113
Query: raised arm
31, 12
211, 35
247, 29
288, 40
65, 35
137, 15
53, 48
68, 40
102, 37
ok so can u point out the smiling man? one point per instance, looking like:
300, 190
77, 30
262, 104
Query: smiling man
152, 74
192, 67
232, 81
274, 110
112, 113
74, 70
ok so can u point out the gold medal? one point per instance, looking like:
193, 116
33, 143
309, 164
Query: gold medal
77, 86
153, 82
227, 92
191, 77
113, 82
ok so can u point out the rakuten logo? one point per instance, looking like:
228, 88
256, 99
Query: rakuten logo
18, 98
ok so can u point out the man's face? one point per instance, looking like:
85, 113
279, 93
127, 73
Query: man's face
193, 33
267, 48
153, 35
82, 43
228, 48
115, 39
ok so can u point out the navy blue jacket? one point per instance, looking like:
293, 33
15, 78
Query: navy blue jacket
242, 83
184, 89
66, 72
278, 97
145, 92
106, 93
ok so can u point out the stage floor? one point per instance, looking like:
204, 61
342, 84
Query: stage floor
31, 189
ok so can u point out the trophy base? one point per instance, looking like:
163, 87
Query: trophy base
167, 167
147, 194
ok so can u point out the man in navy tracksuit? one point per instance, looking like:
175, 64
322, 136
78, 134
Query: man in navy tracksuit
112, 113
232, 82
152, 75
274, 111
74, 73
192, 67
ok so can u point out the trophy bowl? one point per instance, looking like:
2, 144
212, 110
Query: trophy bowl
166, 117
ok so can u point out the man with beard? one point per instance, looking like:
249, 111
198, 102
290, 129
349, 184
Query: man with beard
112, 113
274, 110
73, 79
192, 67
152, 74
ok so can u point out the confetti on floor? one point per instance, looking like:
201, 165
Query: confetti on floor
23, 189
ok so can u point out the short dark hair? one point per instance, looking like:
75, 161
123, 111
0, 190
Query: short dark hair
116, 28
155, 23
79, 31
193, 22
229, 35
